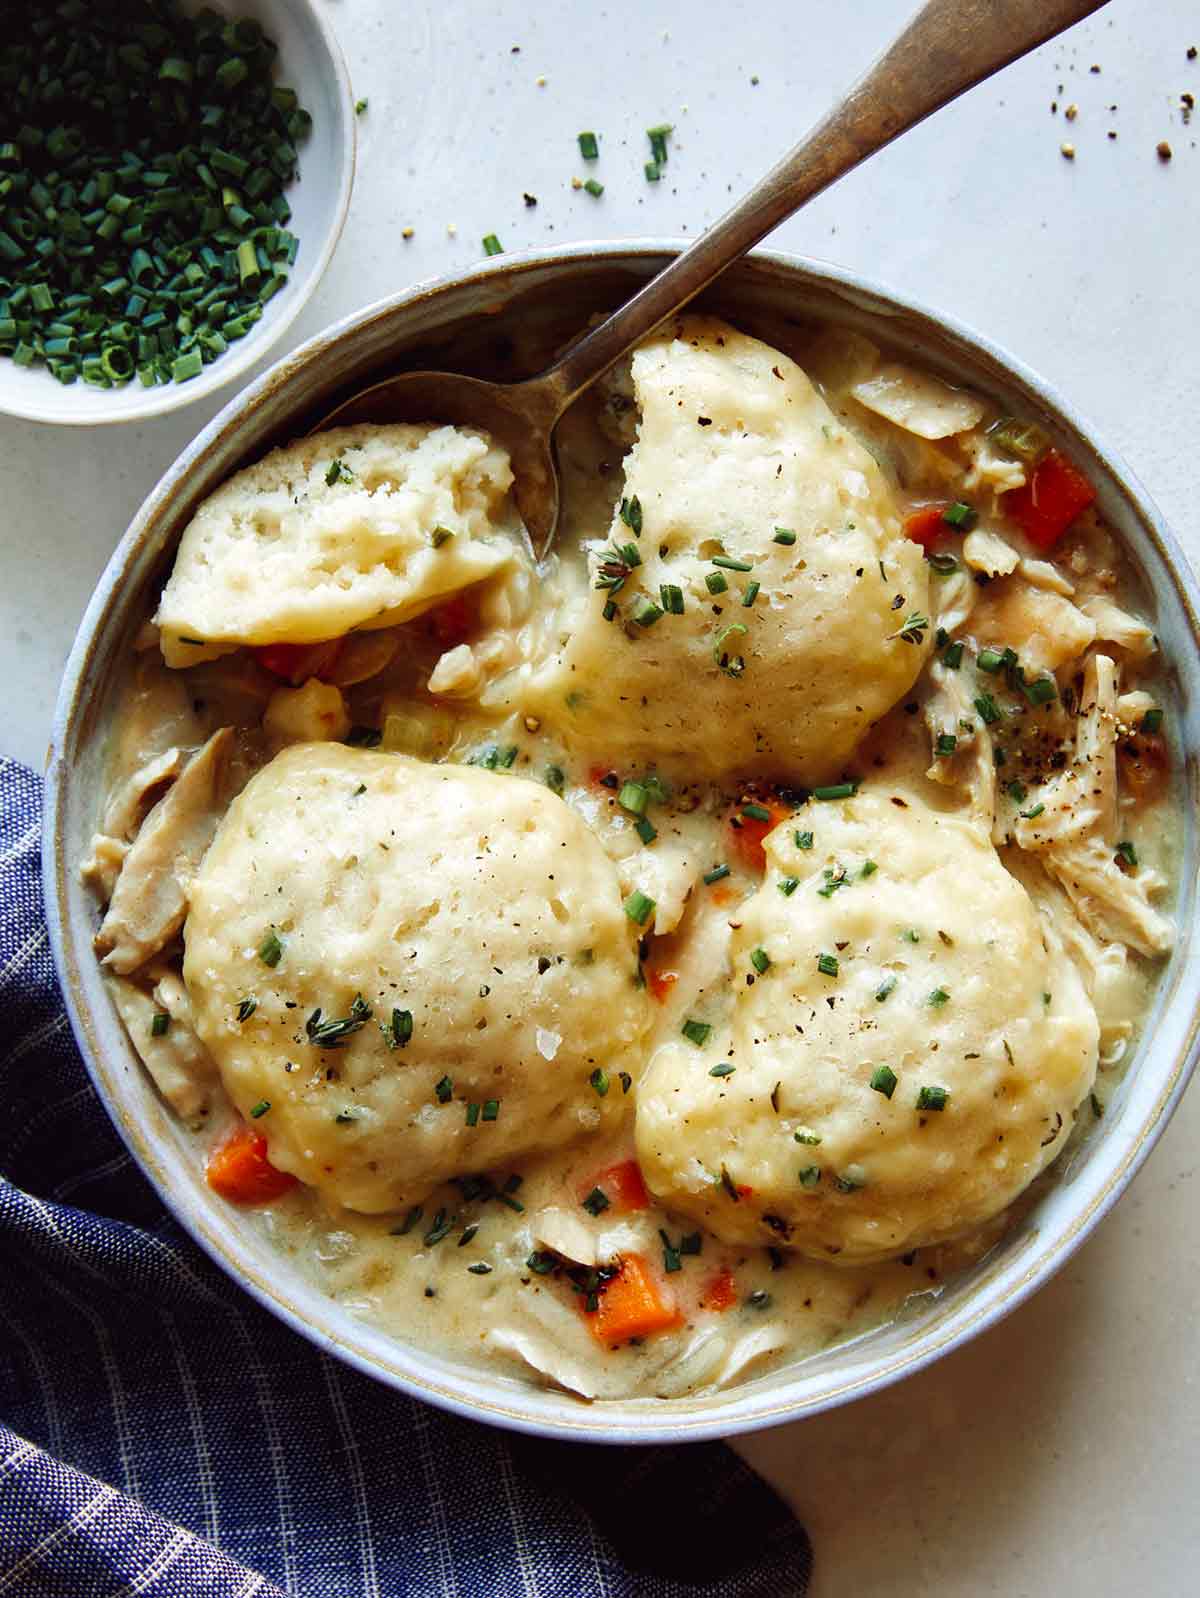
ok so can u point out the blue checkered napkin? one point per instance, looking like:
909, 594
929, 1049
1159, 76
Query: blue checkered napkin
171, 1439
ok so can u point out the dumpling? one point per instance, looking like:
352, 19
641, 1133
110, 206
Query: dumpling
906, 1052
358, 527
420, 971
766, 607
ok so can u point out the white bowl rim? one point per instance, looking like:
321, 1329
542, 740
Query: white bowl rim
162, 400
660, 1421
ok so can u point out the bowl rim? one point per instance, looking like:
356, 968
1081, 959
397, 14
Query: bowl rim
171, 397
665, 1423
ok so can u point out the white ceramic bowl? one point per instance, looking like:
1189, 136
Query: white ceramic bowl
310, 62
468, 319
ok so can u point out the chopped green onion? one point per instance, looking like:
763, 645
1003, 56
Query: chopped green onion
480, 1268
1041, 691
804, 840
360, 107
788, 885
645, 612
1032, 813
672, 598
651, 169
760, 960
589, 147
827, 965
633, 797
883, 1080
715, 875
697, 1032
960, 516
639, 908
952, 656
750, 594
731, 564
270, 950
658, 141
756, 812
645, 829
491, 1109
472, 1115
542, 1262
594, 188
625, 1080
1017, 791
399, 1030
932, 1098
989, 710
837, 790
945, 744
492, 245
938, 997
911, 935
784, 535
715, 583
160, 1023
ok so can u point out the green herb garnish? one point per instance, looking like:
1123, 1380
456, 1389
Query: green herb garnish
932, 1098
697, 1032
883, 1080
270, 950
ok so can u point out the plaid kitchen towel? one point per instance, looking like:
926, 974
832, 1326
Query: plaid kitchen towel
169, 1438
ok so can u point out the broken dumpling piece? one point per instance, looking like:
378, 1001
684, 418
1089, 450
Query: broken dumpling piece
756, 572
908, 1058
356, 528
441, 973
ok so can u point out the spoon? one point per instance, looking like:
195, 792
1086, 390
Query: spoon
948, 47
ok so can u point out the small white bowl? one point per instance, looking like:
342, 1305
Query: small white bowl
311, 62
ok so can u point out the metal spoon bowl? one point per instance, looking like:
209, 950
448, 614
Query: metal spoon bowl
948, 47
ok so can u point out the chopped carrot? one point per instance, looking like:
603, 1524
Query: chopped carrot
660, 983
623, 1186
296, 663
1050, 501
1145, 765
720, 1291
723, 895
926, 526
748, 832
452, 623
240, 1171
633, 1304
743, 1191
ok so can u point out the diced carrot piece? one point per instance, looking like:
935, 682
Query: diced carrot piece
720, 1291
239, 1170
660, 983
926, 526
748, 832
623, 1185
1050, 501
296, 663
743, 1191
633, 1304
723, 895
454, 622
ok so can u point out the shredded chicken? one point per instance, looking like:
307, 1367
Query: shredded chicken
567, 1234
985, 552
955, 596
1117, 626
990, 469
179, 1065
1075, 832
1046, 630
949, 710
149, 900
1045, 574
103, 865
127, 808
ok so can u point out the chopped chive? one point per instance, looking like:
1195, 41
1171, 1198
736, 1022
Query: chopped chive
883, 1080
247, 1007
492, 245
589, 147
722, 1070
672, 598
788, 885
1041, 691
594, 188
631, 515
639, 907
715, 875
1032, 813
784, 535
645, 829
715, 583
960, 515
259, 1109
837, 790
810, 1175
443, 1225
756, 812
671, 1259
989, 710
945, 744
760, 960
990, 660
645, 612
599, 1081
444, 1090
938, 997
827, 965
610, 609
360, 107
952, 656
160, 1023
869, 868
597, 1201
651, 169
472, 1114
491, 1109
697, 1032
886, 987
932, 1098
804, 840
633, 797
807, 1136
270, 950
750, 594
658, 142
731, 564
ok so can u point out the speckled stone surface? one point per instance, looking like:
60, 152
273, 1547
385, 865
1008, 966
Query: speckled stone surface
1059, 1452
